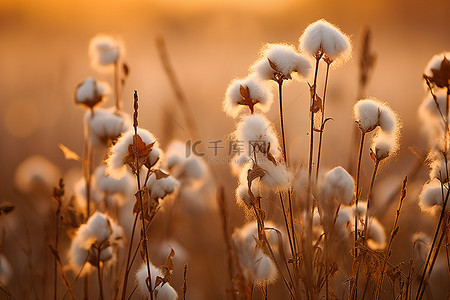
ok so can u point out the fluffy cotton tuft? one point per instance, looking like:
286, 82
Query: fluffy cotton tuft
36, 174
428, 108
256, 130
259, 93
376, 235
105, 51
276, 177
370, 113
366, 113
105, 124
323, 36
162, 292
339, 184
435, 63
160, 187
432, 197
115, 163
100, 230
287, 61
125, 185
91, 92
191, 167
438, 166
384, 145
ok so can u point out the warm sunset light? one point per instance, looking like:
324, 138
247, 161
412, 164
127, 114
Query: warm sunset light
224, 149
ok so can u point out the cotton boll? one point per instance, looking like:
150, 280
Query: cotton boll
36, 174
265, 271
105, 51
432, 196
428, 108
435, 63
438, 169
109, 185
115, 163
90, 92
105, 124
161, 184
162, 292
175, 153
246, 235
286, 60
276, 176
421, 244
195, 167
256, 130
384, 145
242, 194
259, 94
376, 235
81, 195
387, 119
5, 270
339, 184
99, 227
366, 113
237, 164
322, 36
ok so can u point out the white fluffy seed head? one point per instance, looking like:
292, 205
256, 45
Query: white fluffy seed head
90, 92
106, 125
438, 166
180, 166
258, 92
366, 114
109, 185
104, 52
36, 174
432, 197
162, 186
384, 145
286, 60
276, 177
115, 163
435, 63
370, 113
339, 184
265, 270
376, 235
428, 108
99, 229
237, 163
162, 292
256, 130
321, 36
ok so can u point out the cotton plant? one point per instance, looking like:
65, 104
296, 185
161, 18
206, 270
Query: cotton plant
161, 291
94, 245
434, 111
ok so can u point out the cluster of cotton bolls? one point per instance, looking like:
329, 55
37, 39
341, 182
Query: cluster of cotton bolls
94, 242
258, 268
197, 187
371, 114
434, 112
164, 291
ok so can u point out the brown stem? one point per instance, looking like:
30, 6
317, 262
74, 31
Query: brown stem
369, 196
354, 284
319, 148
100, 283
391, 239
128, 267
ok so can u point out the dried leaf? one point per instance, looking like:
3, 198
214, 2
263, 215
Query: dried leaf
273, 65
160, 174
441, 76
246, 99
373, 155
256, 172
167, 269
271, 158
126, 69
138, 151
69, 154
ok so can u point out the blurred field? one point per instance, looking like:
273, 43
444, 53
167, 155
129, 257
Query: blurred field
44, 54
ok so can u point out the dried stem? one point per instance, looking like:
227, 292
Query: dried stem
128, 266
319, 148
99, 273
226, 235
184, 288
354, 284
370, 195
144, 241
394, 231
